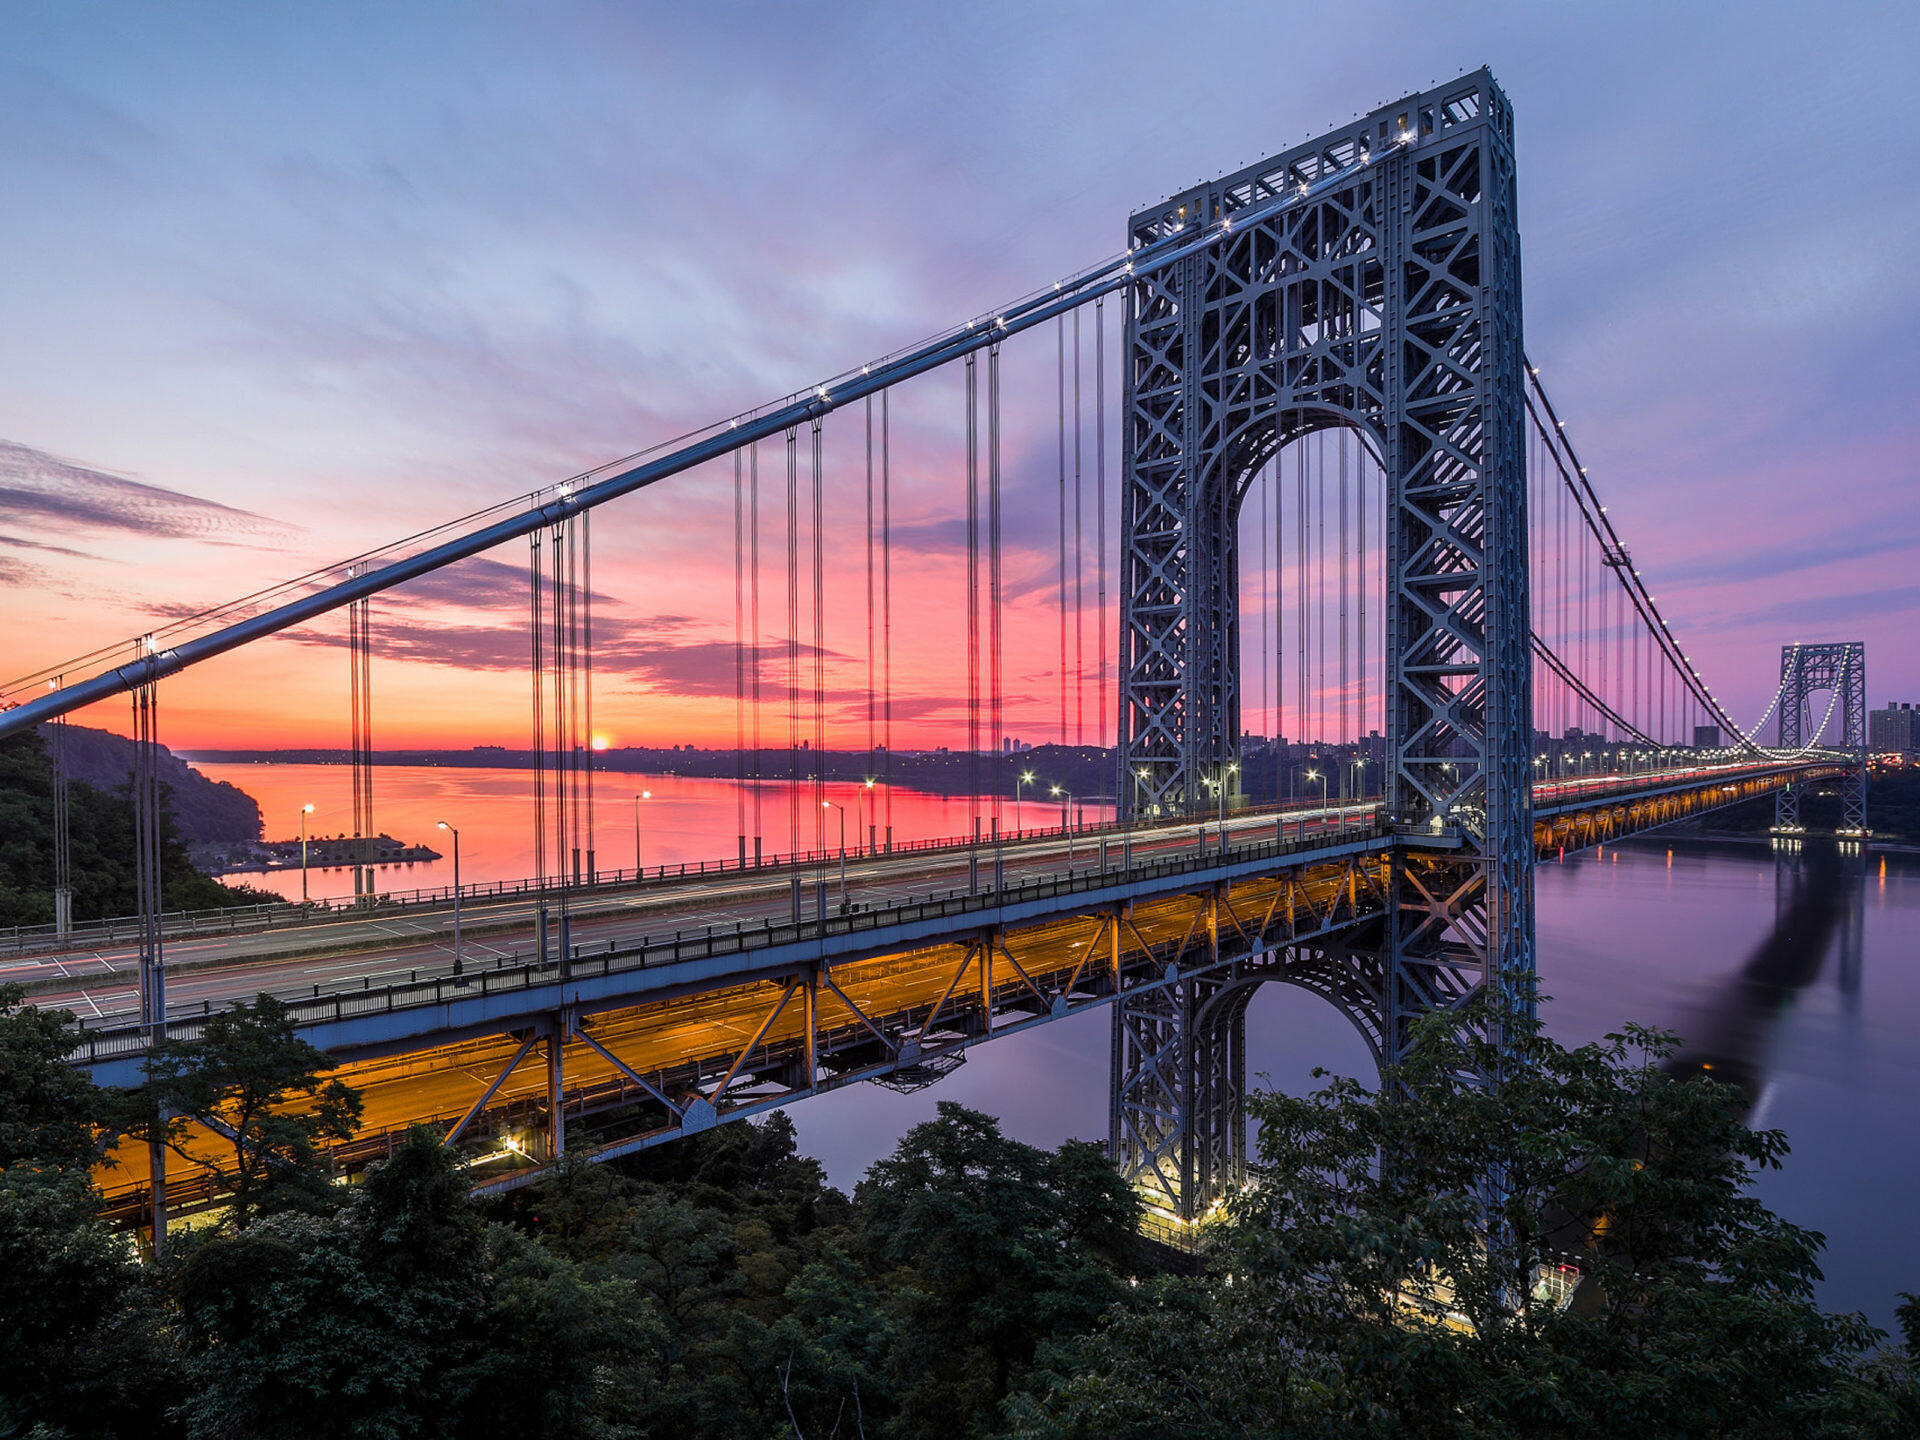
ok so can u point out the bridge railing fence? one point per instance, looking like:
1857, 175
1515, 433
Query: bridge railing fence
224, 920
324, 1005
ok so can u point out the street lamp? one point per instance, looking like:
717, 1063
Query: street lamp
829, 805
643, 795
458, 953
1140, 778
1026, 778
873, 819
305, 810
1066, 816
1221, 790
1317, 775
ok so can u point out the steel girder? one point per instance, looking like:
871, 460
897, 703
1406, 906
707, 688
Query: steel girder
1840, 669
1388, 303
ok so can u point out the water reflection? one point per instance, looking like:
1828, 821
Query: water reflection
1818, 896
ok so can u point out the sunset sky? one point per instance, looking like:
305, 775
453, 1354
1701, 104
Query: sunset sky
279, 285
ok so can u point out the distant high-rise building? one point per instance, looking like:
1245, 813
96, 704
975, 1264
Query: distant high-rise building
1706, 737
1894, 730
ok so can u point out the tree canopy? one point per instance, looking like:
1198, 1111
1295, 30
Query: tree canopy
1533, 1241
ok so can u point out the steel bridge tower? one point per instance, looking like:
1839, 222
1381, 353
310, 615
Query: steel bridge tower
1387, 302
1840, 669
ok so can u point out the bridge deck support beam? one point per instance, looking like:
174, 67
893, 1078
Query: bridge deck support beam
556, 1091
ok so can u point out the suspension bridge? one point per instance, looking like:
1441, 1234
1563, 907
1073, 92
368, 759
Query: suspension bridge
1323, 388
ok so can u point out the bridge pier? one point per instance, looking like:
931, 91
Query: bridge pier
1177, 1122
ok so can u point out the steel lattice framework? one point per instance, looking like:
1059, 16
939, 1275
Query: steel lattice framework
1388, 303
1838, 668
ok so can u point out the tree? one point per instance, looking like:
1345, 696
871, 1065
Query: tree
988, 1248
84, 1353
1394, 1271
362, 1322
49, 1110
251, 1081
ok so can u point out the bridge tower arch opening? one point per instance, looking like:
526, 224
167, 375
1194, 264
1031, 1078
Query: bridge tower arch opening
1386, 300
1178, 1121
1309, 569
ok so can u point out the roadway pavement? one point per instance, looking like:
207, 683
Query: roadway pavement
101, 986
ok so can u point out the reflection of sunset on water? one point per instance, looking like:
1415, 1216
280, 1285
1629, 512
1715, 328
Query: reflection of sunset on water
683, 820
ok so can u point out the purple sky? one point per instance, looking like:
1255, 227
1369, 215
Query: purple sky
281, 285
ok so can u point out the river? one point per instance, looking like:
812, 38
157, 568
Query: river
1739, 952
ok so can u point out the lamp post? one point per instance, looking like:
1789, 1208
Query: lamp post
873, 820
1221, 789
829, 805
305, 810
1026, 778
643, 795
458, 953
1066, 818
1140, 778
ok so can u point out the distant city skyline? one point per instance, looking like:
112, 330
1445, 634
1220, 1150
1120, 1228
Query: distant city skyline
287, 286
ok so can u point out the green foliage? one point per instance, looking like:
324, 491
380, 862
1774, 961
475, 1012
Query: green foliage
987, 1247
1383, 1279
48, 1109
718, 1289
356, 1323
100, 847
250, 1079
85, 1351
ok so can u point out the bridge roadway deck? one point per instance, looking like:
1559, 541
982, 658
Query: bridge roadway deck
652, 1029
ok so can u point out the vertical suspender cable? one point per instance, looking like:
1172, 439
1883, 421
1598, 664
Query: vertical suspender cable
1565, 719
1343, 493
586, 673
1079, 550
754, 633
740, 654
1061, 338
995, 679
1276, 478
62, 825
973, 586
1259, 481
819, 648
873, 716
537, 665
1320, 587
793, 645
886, 601
1301, 613
562, 720
1100, 495
1363, 491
